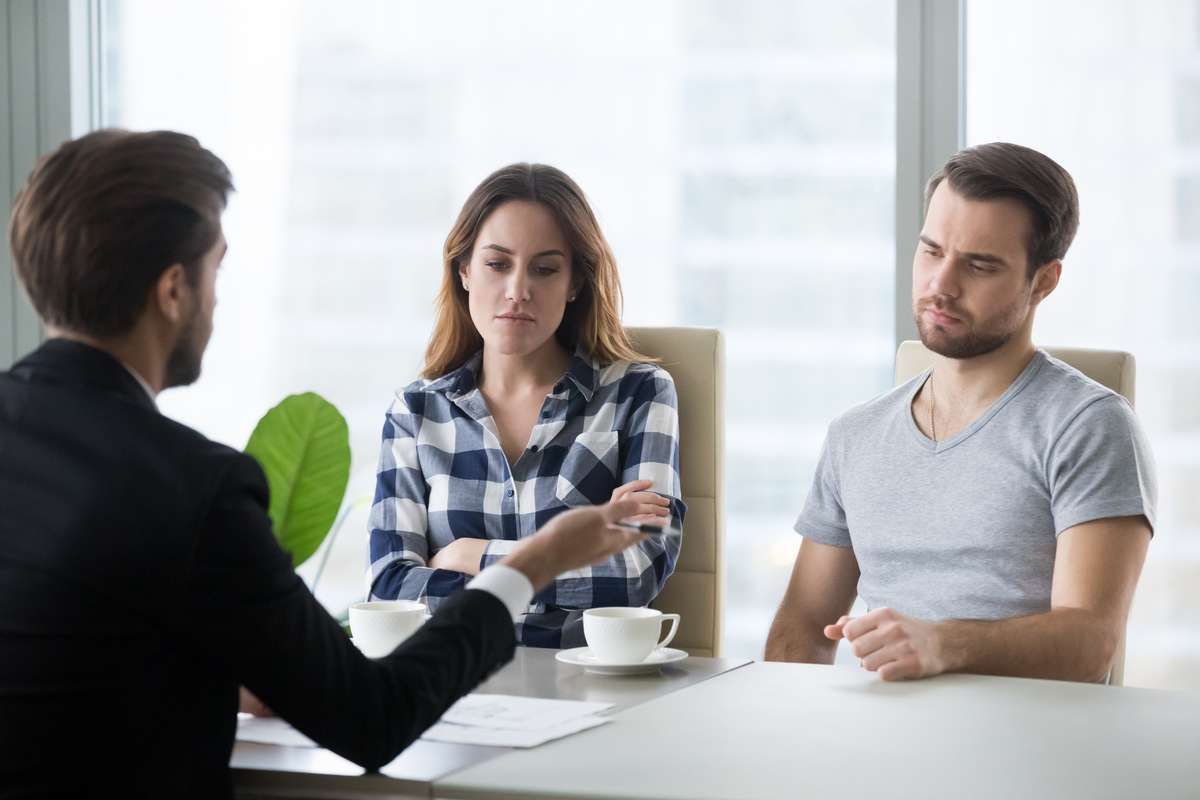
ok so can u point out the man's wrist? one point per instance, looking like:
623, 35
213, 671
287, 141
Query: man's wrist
530, 560
509, 585
947, 647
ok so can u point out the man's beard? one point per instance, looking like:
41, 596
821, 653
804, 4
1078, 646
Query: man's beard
183, 364
974, 342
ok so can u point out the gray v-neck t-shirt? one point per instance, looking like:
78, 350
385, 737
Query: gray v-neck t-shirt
966, 528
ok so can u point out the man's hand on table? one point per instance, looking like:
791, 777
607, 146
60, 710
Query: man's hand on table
894, 645
249, 704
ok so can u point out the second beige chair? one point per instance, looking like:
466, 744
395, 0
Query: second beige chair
1112, 368
695, 357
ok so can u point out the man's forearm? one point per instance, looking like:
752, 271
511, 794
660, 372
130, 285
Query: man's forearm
1062, 644
798, 641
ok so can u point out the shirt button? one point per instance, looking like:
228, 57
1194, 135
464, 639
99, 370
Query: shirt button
533, 448
509, 493
558, 387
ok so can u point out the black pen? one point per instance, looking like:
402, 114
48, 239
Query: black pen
652, 530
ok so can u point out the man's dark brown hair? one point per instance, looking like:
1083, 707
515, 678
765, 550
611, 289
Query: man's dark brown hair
999, 169
102, 217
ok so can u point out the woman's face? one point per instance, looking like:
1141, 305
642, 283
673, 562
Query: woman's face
518, 279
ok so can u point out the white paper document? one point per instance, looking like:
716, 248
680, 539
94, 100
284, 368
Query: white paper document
495, 720
499, 737
501, 720
271, 730
518, 713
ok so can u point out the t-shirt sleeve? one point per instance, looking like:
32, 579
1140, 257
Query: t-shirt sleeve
1101, 467
824, 518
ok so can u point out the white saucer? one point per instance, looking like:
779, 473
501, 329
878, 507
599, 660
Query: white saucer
582, 657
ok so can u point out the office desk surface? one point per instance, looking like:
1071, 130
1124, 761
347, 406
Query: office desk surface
791, 730
263, 770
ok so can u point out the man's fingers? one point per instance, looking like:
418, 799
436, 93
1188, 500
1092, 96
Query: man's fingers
620, 540
873, 640
900, 670
886, 655
866, 623
835, 631
249, 704
617, 510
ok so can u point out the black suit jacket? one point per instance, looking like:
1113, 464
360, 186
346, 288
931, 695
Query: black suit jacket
140, 584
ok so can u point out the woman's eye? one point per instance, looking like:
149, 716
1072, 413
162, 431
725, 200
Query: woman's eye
545, 270
497, 265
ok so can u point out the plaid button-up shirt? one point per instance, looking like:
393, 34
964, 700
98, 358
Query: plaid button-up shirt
443, 475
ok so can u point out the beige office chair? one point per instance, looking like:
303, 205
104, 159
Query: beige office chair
1112, 368
695, 357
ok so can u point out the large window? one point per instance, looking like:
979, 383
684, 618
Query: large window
1115, 98
740, 157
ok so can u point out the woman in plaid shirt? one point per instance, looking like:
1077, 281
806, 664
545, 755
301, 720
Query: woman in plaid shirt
532, 401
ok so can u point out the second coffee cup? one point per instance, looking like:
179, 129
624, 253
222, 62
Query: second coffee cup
621, 635
379, 626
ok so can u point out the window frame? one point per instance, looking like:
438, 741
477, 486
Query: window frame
49, 92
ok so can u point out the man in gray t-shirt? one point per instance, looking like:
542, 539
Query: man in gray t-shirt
993, 512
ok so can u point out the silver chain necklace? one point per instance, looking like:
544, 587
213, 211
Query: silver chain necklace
932, 406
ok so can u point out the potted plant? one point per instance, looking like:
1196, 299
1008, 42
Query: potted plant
303, 447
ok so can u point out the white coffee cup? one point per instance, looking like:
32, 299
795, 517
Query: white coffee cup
626, 635
380, 625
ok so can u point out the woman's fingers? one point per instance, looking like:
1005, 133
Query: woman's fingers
632, 486
651, 503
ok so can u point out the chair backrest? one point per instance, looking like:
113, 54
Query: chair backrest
1112, 368
695, 357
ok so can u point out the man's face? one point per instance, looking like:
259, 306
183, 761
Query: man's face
183, 363
971, 293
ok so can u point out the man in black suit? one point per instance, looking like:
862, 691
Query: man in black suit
140, 583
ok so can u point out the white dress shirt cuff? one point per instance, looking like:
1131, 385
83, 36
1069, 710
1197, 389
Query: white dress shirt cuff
508, 585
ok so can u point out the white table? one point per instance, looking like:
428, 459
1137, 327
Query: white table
795, 731
264, 770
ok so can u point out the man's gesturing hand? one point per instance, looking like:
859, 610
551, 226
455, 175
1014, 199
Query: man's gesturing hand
576, 538
895, 646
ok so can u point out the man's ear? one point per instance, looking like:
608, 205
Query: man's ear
171, 294
1045, 280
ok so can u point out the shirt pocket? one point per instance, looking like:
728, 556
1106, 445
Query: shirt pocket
589, 470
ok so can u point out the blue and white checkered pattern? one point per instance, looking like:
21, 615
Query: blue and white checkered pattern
443, 475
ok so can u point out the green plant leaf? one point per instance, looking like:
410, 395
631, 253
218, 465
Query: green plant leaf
303, 446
